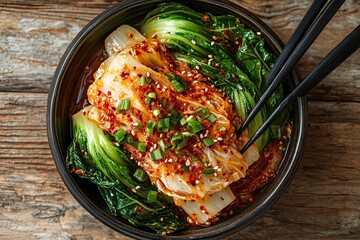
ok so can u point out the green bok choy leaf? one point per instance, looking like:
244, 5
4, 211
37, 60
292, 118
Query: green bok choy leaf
93, 155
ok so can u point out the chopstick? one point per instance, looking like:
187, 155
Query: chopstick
304, 35
339, 54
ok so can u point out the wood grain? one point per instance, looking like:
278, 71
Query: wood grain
322, 202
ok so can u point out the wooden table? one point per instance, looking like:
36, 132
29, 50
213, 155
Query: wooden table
323, 201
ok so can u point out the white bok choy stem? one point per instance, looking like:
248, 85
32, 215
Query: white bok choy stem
122, 37
202, 211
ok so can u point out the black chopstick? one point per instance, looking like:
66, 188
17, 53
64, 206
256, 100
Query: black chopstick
301, 45
341, 52
303, 26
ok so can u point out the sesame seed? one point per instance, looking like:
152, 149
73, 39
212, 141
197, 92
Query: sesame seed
193, 42
197, 67
195, 81
161, 135
183, 72
258, 33
206, 89
208, 102
219, 139
147, 74
157, 85
161, 219
170, 160
216, 167
197, 181
151, 148
187, 163
201, 136
155, 145
215, 174
210, 56
137, 187
219, 169
133, 190
135, 124
212, 43
133, 132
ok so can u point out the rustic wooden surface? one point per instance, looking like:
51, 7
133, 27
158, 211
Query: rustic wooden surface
323, 201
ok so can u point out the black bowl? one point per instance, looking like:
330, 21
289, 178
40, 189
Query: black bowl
62, 99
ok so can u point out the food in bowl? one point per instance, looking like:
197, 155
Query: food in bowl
156, 133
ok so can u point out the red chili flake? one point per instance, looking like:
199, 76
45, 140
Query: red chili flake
202, 208
134, 67
131, 35
206, 18
222, 72
124, 75
217, 64
222, 198
140, 209
109, 93
226, 32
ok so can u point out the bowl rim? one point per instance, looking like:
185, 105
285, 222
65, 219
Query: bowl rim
280, 183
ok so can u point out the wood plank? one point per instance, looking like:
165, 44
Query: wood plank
35, 35
323, 200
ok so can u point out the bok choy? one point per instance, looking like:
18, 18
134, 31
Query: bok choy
232, 57
93, 155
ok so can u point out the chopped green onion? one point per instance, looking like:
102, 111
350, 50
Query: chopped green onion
212, 118
203, 112
152, 95
191, 118
175, 139
124, 104
178, 83
152, 196
181, 153
141, 147
147, 100
194, 159
163, 102
185, 169
195, 126
174, 118
120, 135
163, 125
140, 175
157, 154
208, 142
182, 144
162, 145
222, 128
142, 81
178, 86
139, 127
204, 162
208, 171
130, 140
150, 126
183, 121
156, 113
